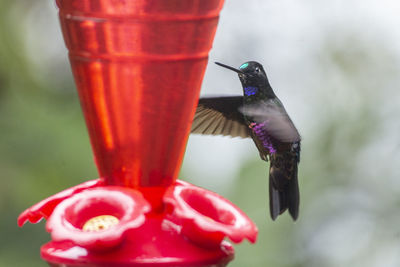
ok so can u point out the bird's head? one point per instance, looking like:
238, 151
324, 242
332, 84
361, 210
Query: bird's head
251, 74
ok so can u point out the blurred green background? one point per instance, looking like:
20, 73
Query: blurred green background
335, 66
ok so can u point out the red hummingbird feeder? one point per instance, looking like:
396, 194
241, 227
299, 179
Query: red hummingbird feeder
138, 66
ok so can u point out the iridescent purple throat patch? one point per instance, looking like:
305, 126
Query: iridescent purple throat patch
250, 90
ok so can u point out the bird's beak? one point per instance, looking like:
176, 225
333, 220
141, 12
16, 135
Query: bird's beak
229, 67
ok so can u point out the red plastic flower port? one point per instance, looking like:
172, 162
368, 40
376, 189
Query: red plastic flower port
207, 218
125, 207
45, 208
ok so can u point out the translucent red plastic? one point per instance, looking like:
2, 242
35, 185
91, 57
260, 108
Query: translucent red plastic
138, 66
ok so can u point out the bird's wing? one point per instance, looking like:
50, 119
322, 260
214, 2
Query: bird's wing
273, 115
220, 116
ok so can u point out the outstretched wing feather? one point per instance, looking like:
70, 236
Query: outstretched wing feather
220, 116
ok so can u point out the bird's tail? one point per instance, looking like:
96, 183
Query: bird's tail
283, 187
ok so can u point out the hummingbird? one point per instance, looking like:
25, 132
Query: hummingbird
260, 115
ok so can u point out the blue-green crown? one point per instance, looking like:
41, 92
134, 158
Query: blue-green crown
244, 65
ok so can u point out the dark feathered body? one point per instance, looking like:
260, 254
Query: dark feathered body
258, 114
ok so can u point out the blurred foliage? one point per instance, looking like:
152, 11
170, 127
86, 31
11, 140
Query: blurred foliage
44, 147
350, 156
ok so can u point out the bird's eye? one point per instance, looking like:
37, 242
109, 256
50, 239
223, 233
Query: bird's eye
257, 69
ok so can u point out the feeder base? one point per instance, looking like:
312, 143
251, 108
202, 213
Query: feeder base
157, 245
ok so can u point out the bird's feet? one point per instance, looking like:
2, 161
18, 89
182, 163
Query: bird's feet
252, 125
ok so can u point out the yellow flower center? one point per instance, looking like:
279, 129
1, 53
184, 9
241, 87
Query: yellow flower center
100, 223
